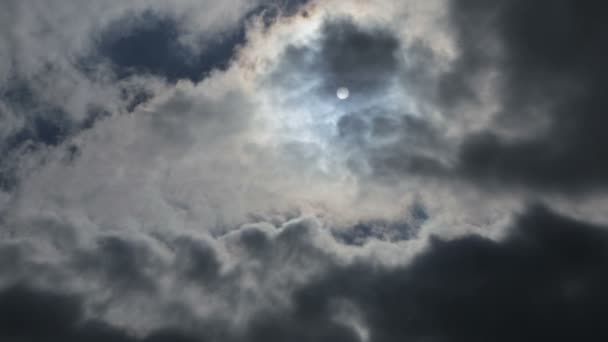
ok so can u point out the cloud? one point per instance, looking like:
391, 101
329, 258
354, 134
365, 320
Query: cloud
215, 189
54, 83
361, 59
361, 56
386, 129
29, 314
150, 43
543, 279
548, 59
109, 280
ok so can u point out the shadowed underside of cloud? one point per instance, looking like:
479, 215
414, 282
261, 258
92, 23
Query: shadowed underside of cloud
551, 59
547, 60
544, 281
31, 315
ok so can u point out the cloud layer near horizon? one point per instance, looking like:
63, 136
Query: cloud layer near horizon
185, 171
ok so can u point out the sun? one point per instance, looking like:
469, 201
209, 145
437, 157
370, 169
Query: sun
343, 93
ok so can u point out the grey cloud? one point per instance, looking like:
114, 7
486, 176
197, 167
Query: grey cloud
348, 54
197, 260
382, 140
121, 264
550, 59
392, 144
38, 124
32, 315
544, 280
544, 60
362, 59
116, 274
157, 202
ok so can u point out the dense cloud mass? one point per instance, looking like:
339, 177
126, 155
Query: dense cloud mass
545, 281
189, 172
551, 63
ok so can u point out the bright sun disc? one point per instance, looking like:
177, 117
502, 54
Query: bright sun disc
343, 93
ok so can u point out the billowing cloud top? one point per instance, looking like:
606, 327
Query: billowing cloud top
184, 171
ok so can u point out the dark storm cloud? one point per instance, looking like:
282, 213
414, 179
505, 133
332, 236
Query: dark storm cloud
150, 43
31, 315
551, 55
298, 328
545, 282
139, 265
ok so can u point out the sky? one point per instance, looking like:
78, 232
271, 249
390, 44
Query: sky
303, 170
